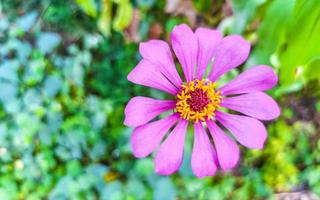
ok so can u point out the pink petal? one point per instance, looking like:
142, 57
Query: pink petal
148, 74
230, 53
257, 105
203, 155
170, 154
158, 53
248, 131
257, 78
185, 45
208, 40
227, 149
146, 138
140, 110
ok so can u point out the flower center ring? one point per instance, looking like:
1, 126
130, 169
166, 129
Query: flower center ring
197, 100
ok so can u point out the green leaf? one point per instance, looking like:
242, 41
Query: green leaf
271, 32
136, 188
303, 40
27, 21
243, 12
123, 16
312, 70
88, 6
104, 21
47, 41
164, 189
113, 191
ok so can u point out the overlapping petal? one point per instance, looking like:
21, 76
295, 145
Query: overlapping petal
258, 78
195, 52
226, 148
170, 154
148, 74
257, 104
208, 40
230, 53
158, 52
185, 46
141, 110
146, 138
203, 159
248, 131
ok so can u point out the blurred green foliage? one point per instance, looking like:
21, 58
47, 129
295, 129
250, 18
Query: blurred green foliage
122, 19
63, 68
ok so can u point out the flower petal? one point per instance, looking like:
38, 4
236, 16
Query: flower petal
140, 110
146, 138
230, 53
203, 155
227, 149
248, 131
158, 52
170, 154
258, 105
257, 78
148, 74
208, 41
185, 45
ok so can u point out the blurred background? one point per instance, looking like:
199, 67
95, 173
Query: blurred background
63, 88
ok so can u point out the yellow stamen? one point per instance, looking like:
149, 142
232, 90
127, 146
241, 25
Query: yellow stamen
198, 100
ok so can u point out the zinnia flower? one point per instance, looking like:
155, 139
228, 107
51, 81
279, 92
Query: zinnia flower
198, 101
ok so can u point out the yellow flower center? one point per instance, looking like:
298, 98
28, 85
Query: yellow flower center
197, 100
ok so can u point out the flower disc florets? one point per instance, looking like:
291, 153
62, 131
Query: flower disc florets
197, 100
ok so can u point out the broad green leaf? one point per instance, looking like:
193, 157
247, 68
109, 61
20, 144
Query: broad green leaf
88, 6
243, 12
312, 70
303, 38
271, 32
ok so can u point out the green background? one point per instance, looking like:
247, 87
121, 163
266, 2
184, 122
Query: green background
63, 88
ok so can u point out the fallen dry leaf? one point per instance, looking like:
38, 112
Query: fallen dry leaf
182, 7
155, 30
132, 32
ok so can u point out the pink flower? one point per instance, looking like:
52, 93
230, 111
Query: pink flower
197, 101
